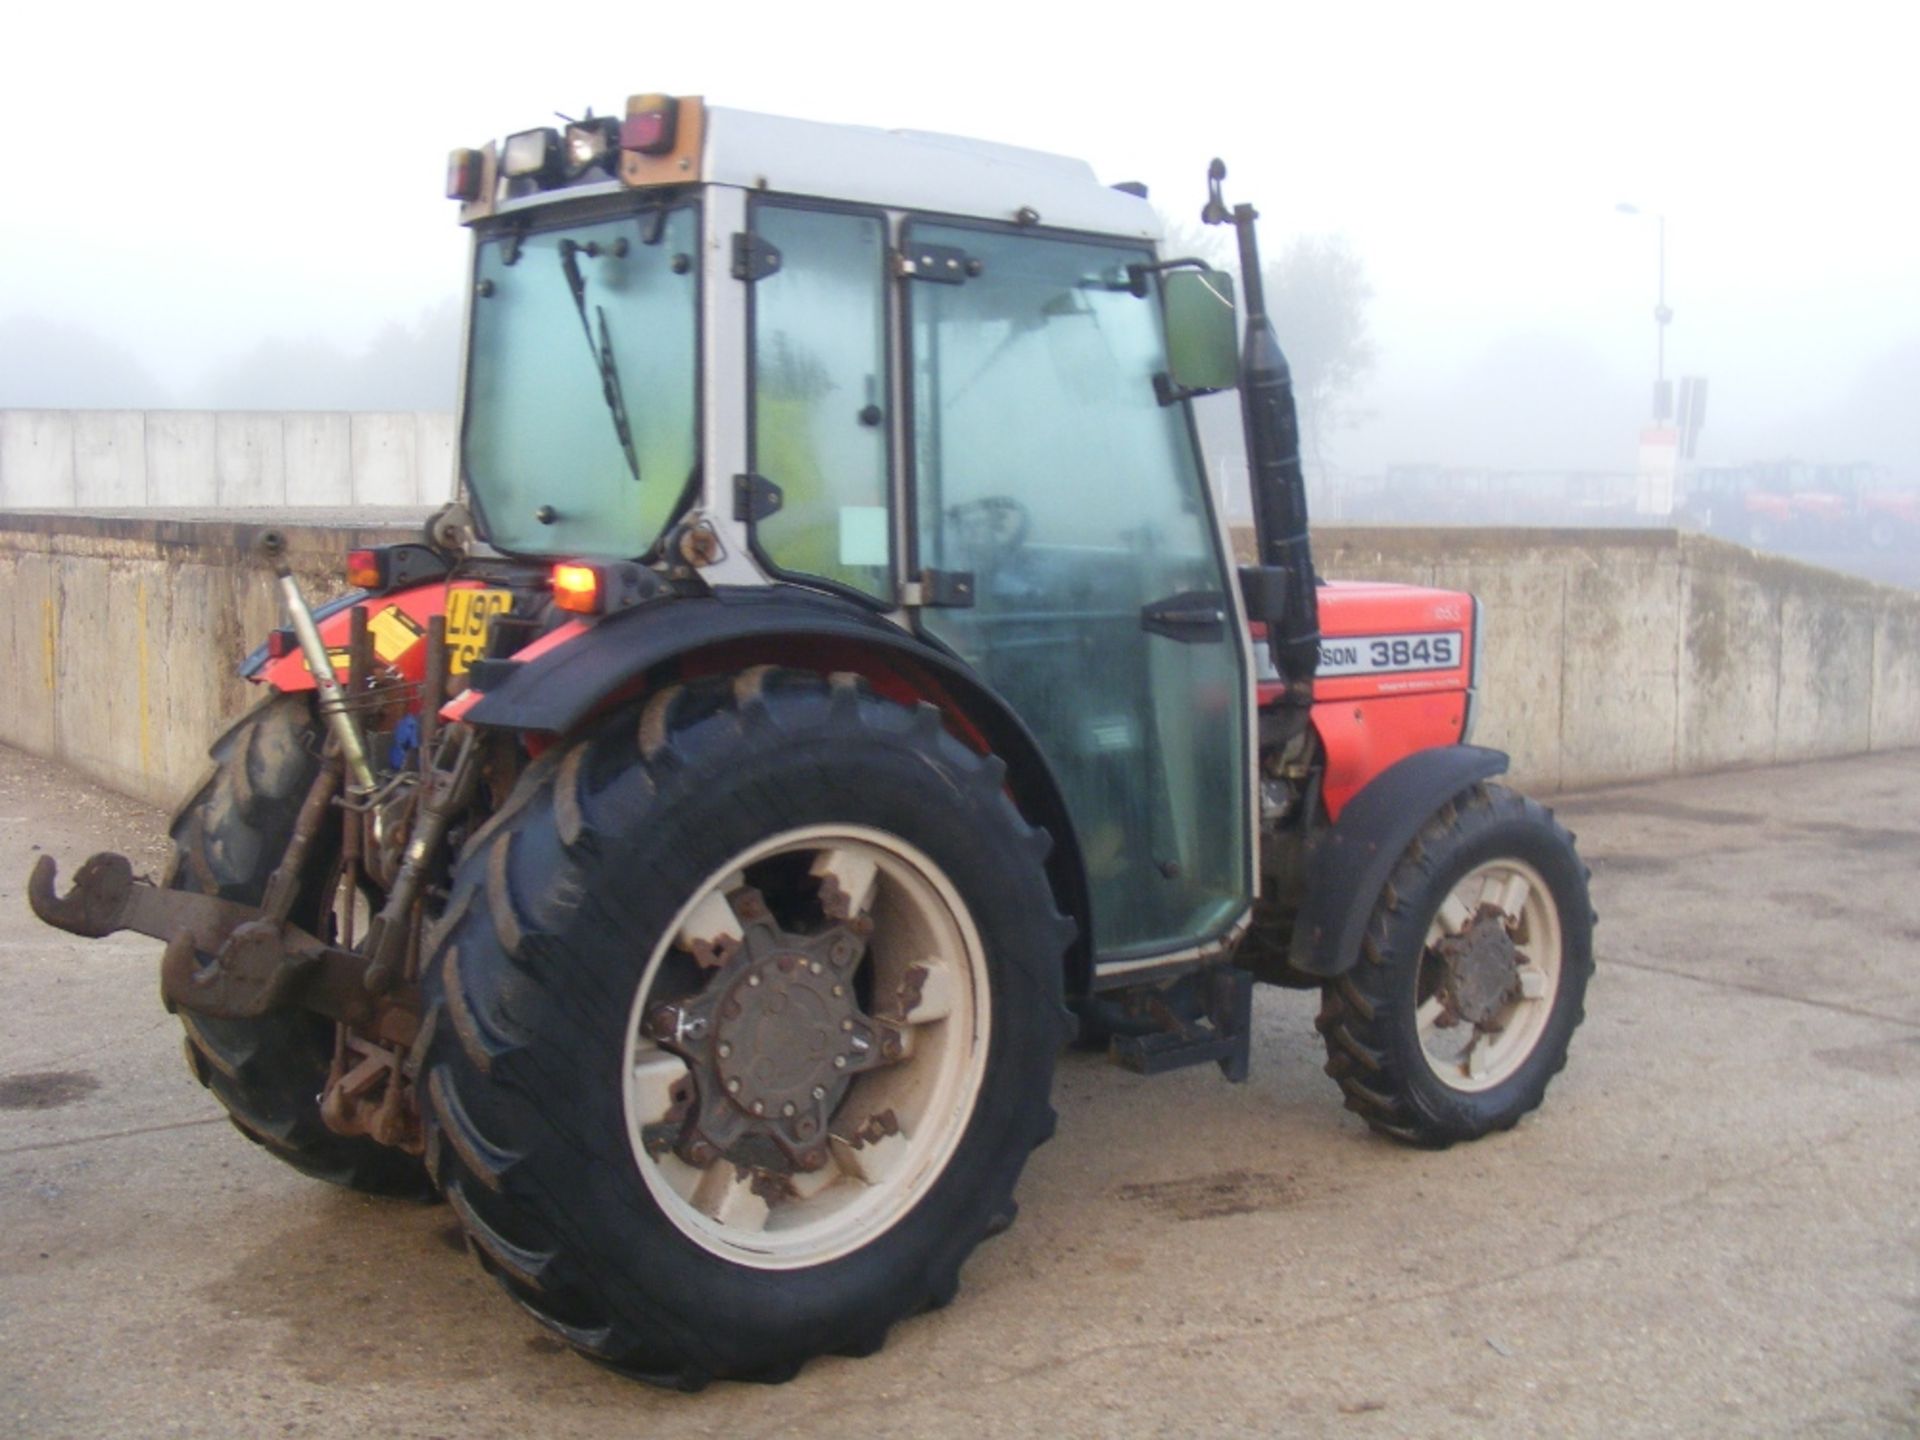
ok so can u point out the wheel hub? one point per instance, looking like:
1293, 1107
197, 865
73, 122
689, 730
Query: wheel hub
1480, 971
772, 1043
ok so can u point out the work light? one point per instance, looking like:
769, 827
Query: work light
590, 142
532, 154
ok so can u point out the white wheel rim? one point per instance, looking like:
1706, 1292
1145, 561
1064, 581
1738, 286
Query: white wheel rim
1466, 1057
869, 1185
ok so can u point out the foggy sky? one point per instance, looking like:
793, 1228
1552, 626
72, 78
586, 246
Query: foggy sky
195, 187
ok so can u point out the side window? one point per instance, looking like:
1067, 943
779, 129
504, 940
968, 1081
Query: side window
820, 396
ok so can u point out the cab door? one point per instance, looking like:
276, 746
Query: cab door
1064, 538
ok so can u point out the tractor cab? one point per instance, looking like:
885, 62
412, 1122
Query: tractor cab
923, 377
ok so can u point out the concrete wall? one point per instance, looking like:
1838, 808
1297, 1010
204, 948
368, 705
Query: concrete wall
1608, 655
234, 459
1632, 654
119, 636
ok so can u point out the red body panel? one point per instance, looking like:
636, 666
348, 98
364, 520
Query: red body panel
1396, 674
399, 639
1397, 662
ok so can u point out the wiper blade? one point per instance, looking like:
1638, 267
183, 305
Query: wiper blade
601, 349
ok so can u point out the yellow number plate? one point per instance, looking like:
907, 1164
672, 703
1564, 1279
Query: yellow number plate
468, 614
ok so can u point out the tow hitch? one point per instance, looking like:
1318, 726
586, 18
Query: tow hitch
254, 965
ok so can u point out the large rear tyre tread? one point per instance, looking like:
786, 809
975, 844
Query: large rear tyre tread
228, 836
559, 909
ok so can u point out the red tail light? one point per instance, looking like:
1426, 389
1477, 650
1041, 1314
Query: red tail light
649, 127
463, 175
366, 569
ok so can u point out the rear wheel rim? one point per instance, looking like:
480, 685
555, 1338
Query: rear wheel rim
787, 1102
1469, 1041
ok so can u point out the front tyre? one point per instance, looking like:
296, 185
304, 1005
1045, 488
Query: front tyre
1472, 975
745, 1019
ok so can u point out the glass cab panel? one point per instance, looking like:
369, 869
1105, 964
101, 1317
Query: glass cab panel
819, 396
543, 453
1044, 464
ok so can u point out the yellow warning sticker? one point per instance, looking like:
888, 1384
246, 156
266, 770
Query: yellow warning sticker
394, 633
336, 653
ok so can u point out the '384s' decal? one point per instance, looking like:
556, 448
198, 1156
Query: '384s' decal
1385, 654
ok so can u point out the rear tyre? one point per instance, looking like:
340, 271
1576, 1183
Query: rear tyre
228, 837
650, 976
1472, 976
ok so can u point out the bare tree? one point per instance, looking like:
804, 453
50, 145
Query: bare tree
1317, 292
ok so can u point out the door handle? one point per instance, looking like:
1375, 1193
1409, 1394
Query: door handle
1191, 617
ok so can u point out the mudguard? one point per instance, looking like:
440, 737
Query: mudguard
558, 686
1352, 863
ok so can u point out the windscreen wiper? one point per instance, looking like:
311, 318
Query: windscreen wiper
602, 348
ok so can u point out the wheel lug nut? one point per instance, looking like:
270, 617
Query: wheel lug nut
817, 968
759, 1107
725, 1049
839, 1062
846, 1024
819, 1092
787, 1109
753, 979
733, 1086
838, 991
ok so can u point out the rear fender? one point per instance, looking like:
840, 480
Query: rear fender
560, 684
1352, 862
396, 622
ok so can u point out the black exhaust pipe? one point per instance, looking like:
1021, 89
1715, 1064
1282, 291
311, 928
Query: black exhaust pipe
1282, 591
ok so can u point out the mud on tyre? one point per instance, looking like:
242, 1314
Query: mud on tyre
228, 837
744, 1019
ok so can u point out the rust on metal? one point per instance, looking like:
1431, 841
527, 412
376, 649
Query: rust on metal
251, 964
1479, 972
369, 1093
283, 887
433, 687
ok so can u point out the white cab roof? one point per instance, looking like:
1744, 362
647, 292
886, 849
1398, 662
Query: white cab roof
913, 170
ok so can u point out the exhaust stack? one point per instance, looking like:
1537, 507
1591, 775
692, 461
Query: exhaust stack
1273, 463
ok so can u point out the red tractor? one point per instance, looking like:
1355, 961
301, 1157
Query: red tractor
832, 692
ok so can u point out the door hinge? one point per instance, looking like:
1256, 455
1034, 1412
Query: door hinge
941, 264
755, 497
753, 258
939, 589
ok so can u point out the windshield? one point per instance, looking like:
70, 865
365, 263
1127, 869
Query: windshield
580, 407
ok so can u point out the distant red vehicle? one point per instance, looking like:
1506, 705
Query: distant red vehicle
1890, 517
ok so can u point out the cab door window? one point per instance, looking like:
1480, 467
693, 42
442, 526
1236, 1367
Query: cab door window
820, 396
1045, 467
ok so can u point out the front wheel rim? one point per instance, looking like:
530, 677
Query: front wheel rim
1478, 1024
805, 1047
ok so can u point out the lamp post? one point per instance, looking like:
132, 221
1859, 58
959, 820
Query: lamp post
1662, 399
1661, 317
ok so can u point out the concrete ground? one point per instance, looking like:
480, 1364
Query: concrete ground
1713, 1226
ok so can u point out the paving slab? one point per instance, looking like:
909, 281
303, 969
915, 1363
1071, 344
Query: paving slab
1712, 1227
